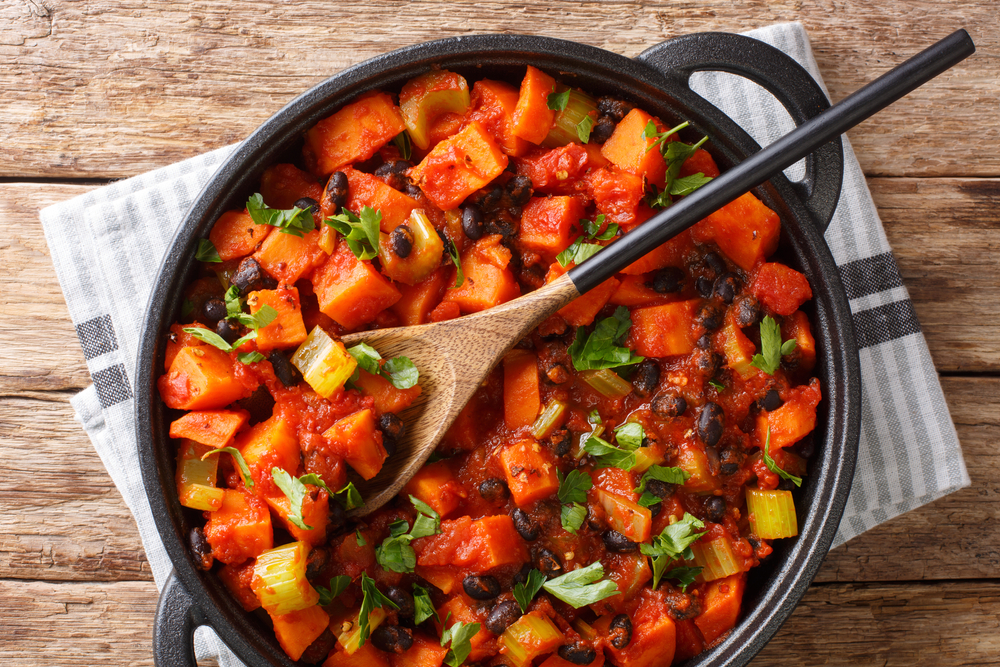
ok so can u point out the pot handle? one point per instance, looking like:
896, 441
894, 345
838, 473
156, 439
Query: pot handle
177, 617
777, 72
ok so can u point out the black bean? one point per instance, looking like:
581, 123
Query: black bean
393, 430
491, 199
337, 189
786, 485
472, 222
371, 165
603, 129
228, 330
503, 616
316, 562
338, 517
715, 509
710, 421
260, 405
285, 371
200, 548
727, 469
704, 342
669, 406
548, 563
646, 378
214, 309
681, 606
704, 287
481, 587
726, 286
659, 488
748, 311
403, 600
519, 190
709, 362
615, 541
307, 203
249, 277
714, 262
392, 638
320, 648
709, 317
615, 108
805, 447
401, 241
655, 509
526, 527
494, 490
522, 575
561, 441
668, 280
578, 654
771, 401
620, 631
413, 191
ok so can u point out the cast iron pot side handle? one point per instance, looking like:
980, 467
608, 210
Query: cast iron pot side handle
177, 617
777, 72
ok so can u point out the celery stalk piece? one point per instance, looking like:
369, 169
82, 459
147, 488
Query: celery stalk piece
424, 257
563, 130
549, 420
645, 457
324, 363
628, 518
427, 97
577, 450
607, 382
716, 558
530, 636
196, 478
351, 640
280, 579
586, 631
772, 514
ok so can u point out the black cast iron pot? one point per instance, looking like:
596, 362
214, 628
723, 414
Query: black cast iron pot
657, 81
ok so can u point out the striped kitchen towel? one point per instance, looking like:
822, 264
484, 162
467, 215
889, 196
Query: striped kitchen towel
107, 246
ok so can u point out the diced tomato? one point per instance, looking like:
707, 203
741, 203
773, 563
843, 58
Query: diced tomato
780, 288
617, 195
557, 170
478, 545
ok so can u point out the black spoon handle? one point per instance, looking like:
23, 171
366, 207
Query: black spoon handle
787, 150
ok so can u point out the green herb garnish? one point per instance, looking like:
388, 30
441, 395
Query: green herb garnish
460, 636
572, 517
372, 598
771, 347
240, 463
399, 371
206, 252
338, 585
349, 498
772, 466
583, 129
395, 552
456, 259
673, 543
360, 231
558, 101
295, 221
525, 592
685, 576
607, 455
402, 141
579, 588
601, 349
423, 608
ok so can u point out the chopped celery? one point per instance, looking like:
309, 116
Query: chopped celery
425, 254
772, 514
631, 520
324, 362
530, 636
351, 639
549, 420
280, 579
196, 478
644, 458
586, 631
579, 106
607, 382
716, 558
577, 451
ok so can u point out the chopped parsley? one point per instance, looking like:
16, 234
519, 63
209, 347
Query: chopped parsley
558, 101
456, 259
772, 466
572, 517
395, 552
360, 231
685, 576
525, 592
373, 598
601, 348
240, 463
460, 636
402, 141
607, 455
399, 371
423, 608
583, 129
359, 538
572, 493
579, 588
349, 498
579, 250
630, 435
673, 543
668, 475
295, 221
206, 252
338, 585
674, 153
718, 386
234, 311
771, 347
295, 490
215, 340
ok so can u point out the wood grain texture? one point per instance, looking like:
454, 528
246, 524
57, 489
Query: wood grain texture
107, 88
932, 625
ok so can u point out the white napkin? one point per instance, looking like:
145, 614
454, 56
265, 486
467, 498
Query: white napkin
107, 245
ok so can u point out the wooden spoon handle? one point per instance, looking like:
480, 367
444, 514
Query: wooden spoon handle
764, 164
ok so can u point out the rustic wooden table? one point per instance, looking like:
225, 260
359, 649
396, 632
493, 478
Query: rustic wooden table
96, 90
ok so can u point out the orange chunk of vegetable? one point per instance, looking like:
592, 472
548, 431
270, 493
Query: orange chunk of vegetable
745, 230
532, 115
425, 98
477, 546
617, 195
701, 162
366, 656
483, 644
689, 641
636, 291
530, 472
796, 327
662, 331
367, 190
458, 166
630, 572
424, 652
721, 607
238, 578
436, 485
284, 184
350, 291
794, 420
493, 104
446, 310
521, 394
235, 235
548, 224
654, 638
780, 288
288, 257
357, 439
287, 329
315, 513
557, 171
417, 301
200, 378
694, 462
353, 134
297, 630
240, 529
674, 252
214, 428
582, 310
555, 661
630, 519
485, 284
271, 443
630, 150
387, 397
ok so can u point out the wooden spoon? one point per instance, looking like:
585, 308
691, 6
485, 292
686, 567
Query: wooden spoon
454, 357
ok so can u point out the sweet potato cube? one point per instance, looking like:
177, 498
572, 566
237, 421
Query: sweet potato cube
238, 578
446, 310
674, 252
636, 291
532, 115
366, 656
485, 285
701, 162
653, 640
458, 166
457, 608
493, 104
200, 378
288, 257
794, 420
235, 235
582, 310
387, 397
530, 472
629, 149
721, 607
521, 395
297, 630
436, 485
662, 331
423, 653
357, 439
548, 224
350, 291
315, 513
240, 529
271, 443
796, 327
367, 190
745, 230
780, 288
284, 184
417, 301
352, 134
214, 428
479, 546
287, 329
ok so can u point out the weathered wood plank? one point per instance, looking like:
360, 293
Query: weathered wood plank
106, 88
841, 624
61, 517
